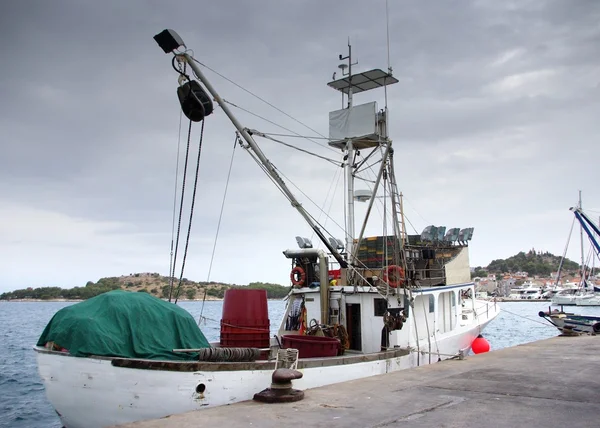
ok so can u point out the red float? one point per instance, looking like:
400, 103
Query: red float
480, 345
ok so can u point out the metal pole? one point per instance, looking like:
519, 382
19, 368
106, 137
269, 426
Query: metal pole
581, 242
349, 172
372, 200
261, 156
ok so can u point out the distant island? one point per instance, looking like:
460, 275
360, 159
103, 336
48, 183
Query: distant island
533, 269
533, 262
152, 283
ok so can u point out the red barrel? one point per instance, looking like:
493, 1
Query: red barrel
245, 320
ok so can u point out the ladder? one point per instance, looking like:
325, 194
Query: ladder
397, 213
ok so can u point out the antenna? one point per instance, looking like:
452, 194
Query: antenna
387, 28
387, 25
352, 140
348, 66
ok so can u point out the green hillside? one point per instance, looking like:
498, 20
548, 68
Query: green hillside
152, 283
532, 262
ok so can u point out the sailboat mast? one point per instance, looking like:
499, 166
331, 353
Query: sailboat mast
581, 243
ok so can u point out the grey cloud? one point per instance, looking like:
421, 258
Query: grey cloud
495, 109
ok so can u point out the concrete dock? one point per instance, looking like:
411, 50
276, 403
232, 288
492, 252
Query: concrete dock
554, 382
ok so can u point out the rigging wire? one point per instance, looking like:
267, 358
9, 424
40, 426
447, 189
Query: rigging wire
269, 104
317, 223
175, 202
187, 153
418, 213
336, 181
564, 252
279, 126
256, 96
367, 167
235, 142
187, 240
298, 136
260, 164
313, 202
260, 134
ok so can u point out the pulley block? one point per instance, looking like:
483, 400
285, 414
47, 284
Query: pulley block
195, 102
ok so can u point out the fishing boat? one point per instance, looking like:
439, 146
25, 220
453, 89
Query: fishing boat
571, 324
357, 307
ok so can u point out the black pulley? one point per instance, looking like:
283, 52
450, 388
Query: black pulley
195, 102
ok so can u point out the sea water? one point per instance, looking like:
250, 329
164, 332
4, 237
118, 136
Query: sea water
23, 401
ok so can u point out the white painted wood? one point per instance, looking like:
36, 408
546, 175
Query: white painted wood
91, 393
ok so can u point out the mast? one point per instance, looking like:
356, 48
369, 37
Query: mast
581, 243
359, 127
170, 42
349, 165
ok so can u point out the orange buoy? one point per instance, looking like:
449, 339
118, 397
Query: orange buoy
480, 345
298, 276
395, 276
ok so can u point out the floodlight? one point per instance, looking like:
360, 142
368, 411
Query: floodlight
168, 40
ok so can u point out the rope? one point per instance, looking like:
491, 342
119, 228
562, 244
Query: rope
414, 317
175, 203
228, 354
187, 240
263, 330
524, 317
212, 257
187, 153
426, 314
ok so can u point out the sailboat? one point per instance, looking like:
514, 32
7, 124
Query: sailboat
582, 294
358, 307
570, 323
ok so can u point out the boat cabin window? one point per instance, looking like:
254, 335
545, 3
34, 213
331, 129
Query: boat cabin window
446, 311
423, 314
380, 306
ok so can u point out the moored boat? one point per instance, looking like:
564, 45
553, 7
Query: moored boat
387, 302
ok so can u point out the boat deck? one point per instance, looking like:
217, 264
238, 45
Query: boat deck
547, 383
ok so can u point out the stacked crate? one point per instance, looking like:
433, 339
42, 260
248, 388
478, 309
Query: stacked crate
371, 252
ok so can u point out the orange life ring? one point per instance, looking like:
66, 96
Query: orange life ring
299, 281
396, 271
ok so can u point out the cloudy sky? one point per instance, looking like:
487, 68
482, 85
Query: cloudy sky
495, 121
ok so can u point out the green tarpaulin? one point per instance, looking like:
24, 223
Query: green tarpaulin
125, 324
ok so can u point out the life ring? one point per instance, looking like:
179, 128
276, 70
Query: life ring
298, 276
398, 272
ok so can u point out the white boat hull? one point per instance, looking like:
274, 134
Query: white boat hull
94, 393
590, 300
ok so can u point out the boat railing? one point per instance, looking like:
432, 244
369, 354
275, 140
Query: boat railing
479, 311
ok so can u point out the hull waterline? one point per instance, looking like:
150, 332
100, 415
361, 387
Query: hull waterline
94, 393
